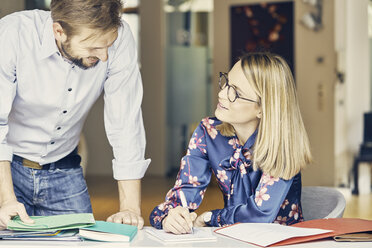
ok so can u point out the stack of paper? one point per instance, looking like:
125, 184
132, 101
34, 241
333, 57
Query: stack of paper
63, 235
58, 227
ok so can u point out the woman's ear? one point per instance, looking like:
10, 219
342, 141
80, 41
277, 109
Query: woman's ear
259, 114
59, 33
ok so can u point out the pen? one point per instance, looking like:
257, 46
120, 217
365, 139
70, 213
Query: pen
184, 204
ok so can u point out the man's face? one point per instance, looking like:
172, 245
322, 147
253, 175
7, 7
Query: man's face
87, 48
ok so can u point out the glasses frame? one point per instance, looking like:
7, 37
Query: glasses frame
229, 87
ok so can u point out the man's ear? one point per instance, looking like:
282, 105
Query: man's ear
59, 33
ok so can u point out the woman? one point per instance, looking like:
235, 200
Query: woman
255, 148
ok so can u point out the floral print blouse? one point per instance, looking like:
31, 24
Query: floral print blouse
249, 195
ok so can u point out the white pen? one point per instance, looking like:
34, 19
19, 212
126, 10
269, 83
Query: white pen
184, 204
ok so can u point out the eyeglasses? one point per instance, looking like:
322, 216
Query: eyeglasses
232, 94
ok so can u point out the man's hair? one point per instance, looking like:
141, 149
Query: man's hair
282, 146
100, 15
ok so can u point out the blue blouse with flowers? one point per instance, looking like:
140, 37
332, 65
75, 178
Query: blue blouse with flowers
249, 196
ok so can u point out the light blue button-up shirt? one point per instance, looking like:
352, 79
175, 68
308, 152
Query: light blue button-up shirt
44, 99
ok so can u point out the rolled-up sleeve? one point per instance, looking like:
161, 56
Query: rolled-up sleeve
122, 109
8, 82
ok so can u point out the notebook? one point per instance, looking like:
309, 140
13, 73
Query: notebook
199, 234
53, 223
109, 232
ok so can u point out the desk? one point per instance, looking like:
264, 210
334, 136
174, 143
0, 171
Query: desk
143, 239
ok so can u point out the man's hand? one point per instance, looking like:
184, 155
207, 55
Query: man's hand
11, 209
127, 217
179, 221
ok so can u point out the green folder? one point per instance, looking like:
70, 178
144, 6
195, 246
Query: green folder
53, 223
108, 231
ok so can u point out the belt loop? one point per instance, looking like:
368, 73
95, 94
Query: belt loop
52, 166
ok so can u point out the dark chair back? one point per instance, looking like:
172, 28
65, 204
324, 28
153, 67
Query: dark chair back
367, 128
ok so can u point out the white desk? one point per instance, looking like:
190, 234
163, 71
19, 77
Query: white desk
143, 239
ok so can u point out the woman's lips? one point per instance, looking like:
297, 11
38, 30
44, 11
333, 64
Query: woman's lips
221, 106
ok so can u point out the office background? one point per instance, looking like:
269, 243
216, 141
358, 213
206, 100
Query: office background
183, 44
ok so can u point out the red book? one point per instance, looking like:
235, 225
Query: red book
338, 225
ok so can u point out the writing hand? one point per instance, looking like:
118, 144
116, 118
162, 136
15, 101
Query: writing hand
179, 220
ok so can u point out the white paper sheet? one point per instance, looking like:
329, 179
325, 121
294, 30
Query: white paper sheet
200, 234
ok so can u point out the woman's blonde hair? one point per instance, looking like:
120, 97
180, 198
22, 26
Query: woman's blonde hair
100, 15
282, 146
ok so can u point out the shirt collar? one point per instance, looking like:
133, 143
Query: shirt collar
48, 45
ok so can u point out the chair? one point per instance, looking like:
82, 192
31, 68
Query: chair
365, 154
322, 203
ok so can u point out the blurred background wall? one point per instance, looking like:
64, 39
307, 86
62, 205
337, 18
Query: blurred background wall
183, 44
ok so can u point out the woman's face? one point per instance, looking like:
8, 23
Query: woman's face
241, 114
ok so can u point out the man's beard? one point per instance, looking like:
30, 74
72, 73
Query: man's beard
76, 61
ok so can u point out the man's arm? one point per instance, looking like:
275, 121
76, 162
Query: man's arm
130, 204
6, 183
9, 206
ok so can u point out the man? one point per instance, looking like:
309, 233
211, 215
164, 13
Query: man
53, 67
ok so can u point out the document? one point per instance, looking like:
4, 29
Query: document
199, 234
265, 234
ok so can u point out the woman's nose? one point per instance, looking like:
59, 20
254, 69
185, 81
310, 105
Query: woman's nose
222, 93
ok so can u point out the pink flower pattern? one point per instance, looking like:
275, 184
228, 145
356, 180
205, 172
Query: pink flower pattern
294, 212
208, 124
221, 175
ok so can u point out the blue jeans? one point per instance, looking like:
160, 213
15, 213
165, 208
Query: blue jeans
52, 191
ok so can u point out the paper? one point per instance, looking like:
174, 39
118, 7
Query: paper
265, 234
65, 235
199, 234
108, 231
53, 223
354, 237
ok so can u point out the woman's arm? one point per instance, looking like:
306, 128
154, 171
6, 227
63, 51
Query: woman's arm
192, 179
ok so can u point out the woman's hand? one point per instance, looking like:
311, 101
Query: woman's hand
199, 222
179, 220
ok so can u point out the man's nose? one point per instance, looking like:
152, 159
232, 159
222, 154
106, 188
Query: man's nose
102, 54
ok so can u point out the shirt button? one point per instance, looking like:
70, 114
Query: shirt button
58, 128
52, 142
69, 89
64, 111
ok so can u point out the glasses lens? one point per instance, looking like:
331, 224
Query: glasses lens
231, 94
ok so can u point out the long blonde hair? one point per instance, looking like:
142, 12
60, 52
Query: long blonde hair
282, 146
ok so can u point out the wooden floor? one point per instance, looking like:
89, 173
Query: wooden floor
104, 197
